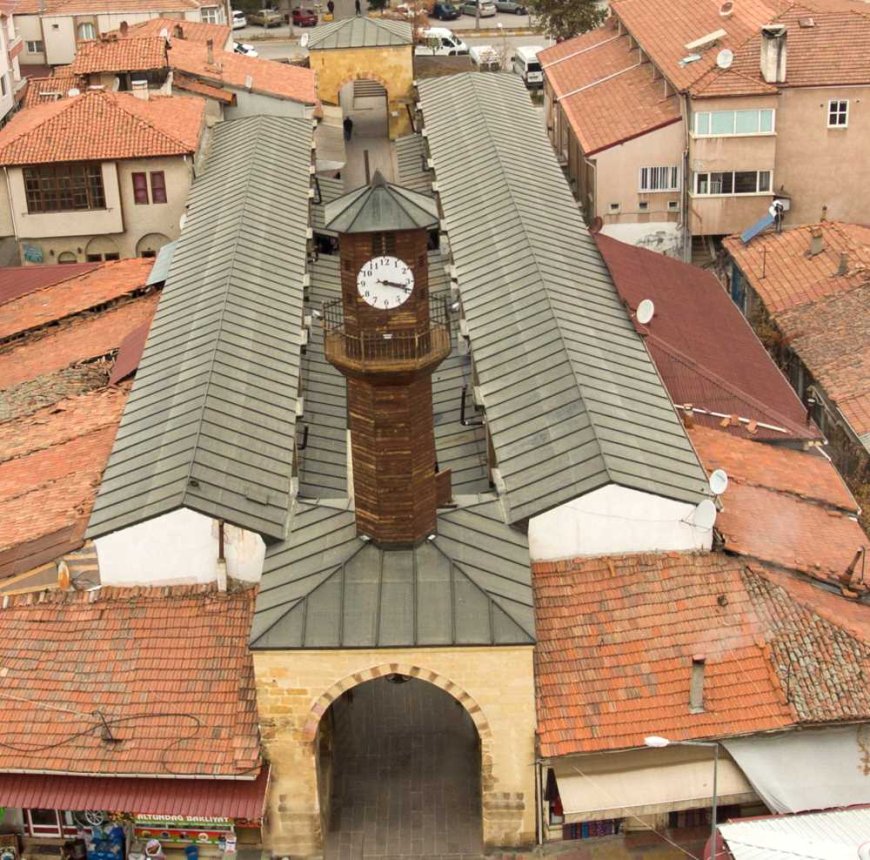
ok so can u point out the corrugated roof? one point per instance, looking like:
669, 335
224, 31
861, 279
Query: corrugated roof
360, 33
160, 269
573, 401
210, 422
16, 281
326, 588
411, 160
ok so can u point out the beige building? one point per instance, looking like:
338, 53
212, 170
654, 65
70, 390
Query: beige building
696, 129
99, 197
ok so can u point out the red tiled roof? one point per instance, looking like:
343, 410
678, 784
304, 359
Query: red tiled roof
180, 81
720, 366
168, 669
50, 89
664, 28
102, 126
120, 55
834, 51
194, 798
75, 341
194, 31
17, 281
606, 97
616, 638
79, 293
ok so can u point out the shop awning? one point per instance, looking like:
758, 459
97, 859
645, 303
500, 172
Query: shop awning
646, 782
217, 798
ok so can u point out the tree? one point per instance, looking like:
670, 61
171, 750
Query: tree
563, 19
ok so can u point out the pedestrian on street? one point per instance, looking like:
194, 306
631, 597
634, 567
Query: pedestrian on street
331, 7
358, 8
348, 122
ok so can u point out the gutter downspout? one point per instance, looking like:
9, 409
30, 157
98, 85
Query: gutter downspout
15, 231
685, 110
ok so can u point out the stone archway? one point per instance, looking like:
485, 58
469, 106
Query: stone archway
101, 248
366, 100
150, 244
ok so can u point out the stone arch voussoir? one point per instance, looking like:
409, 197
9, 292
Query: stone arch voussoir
363, 76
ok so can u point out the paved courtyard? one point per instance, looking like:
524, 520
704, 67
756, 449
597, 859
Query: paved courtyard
406, 775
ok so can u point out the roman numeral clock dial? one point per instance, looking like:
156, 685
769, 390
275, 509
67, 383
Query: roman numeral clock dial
385, 282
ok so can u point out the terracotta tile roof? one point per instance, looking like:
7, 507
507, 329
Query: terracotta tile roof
664, 28
73, 295
168, 669
834, 51
605, 97
783, 520
194, 31
233, 70
74, 341
180, 81
616, 637
17, 281
101, 126
42, 91
722, 368
120, 55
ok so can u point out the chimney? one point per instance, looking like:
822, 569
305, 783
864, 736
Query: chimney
817, 241
773, 53
696, 690
209, 52
140, 90
124, 28
178, 31
843, 268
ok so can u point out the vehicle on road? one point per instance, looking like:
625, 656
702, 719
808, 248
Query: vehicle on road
511, 7
487, 8
528, 67
486, 58
441, 42
445, 12
239, 20
244, 49
304, 18
265, 18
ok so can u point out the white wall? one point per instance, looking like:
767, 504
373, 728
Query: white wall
258, 104
665, 237
178, 548
612, 521
60, 39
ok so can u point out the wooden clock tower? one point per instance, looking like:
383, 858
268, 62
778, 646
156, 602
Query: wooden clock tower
386, 335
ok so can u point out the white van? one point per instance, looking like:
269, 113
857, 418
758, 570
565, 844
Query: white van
439, 41
526, 65
486, 58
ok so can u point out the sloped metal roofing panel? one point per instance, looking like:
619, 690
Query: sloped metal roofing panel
163, 261
411, 160
573, 400
360, 33
326, 588
210, 422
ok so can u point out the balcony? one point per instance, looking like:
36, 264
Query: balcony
397, 352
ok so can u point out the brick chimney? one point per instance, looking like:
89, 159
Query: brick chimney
124, 28
817, 241
696, 689
209, 52
773, 53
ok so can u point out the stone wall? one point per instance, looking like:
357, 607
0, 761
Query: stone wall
495, 685
392, 67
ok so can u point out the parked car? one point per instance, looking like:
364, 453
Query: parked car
527, 66
445, 12
487, 8
439, 41
244, 49
402, 12
304, 18
265, 18
486, 58
511, 7
239, 20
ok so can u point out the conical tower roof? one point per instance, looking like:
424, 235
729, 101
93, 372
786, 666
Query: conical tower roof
381, 207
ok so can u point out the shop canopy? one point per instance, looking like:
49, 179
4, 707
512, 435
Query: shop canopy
645, 782
192, 798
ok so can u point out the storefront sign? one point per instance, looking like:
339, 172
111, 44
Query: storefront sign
181, 829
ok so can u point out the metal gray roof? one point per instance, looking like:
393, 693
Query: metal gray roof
209, 424
330, 189
411, 159
360, 33
573, 401
326, 588
160, 269
380, 206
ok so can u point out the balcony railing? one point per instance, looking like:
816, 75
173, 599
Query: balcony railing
407, 348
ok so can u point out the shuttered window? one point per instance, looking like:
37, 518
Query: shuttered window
158, 187
140, 188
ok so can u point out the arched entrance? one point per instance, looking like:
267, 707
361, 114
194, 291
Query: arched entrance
101, 248
150, 244
399, 772
365, 102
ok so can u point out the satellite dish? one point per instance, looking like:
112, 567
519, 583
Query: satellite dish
164, 33
718, 482
73, 92
182, 220
704, 514
725, 58
645, 312
303, 40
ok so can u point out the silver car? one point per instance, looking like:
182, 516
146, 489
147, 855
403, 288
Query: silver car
511, 7
487, 8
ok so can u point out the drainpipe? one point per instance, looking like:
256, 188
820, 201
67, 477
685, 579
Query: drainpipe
221, 559
686, 111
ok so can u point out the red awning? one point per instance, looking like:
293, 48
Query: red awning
194, 798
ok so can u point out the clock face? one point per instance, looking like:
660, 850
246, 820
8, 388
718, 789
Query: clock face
385, 282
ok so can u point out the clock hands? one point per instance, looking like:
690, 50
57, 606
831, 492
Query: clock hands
404, 287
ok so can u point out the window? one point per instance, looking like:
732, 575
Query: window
2, 85
34, 47
43, 822
87, 32
673, 205
614, 207
140, 188
659, 178
719, 123
210, 14
158, 187
67, 257
64, 187
734, 182
838, 113
643, 205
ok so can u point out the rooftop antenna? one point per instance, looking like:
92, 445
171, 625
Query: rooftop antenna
645, 312
725, 58
718, 482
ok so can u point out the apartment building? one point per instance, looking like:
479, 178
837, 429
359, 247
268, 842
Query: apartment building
11, 46
694, 129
